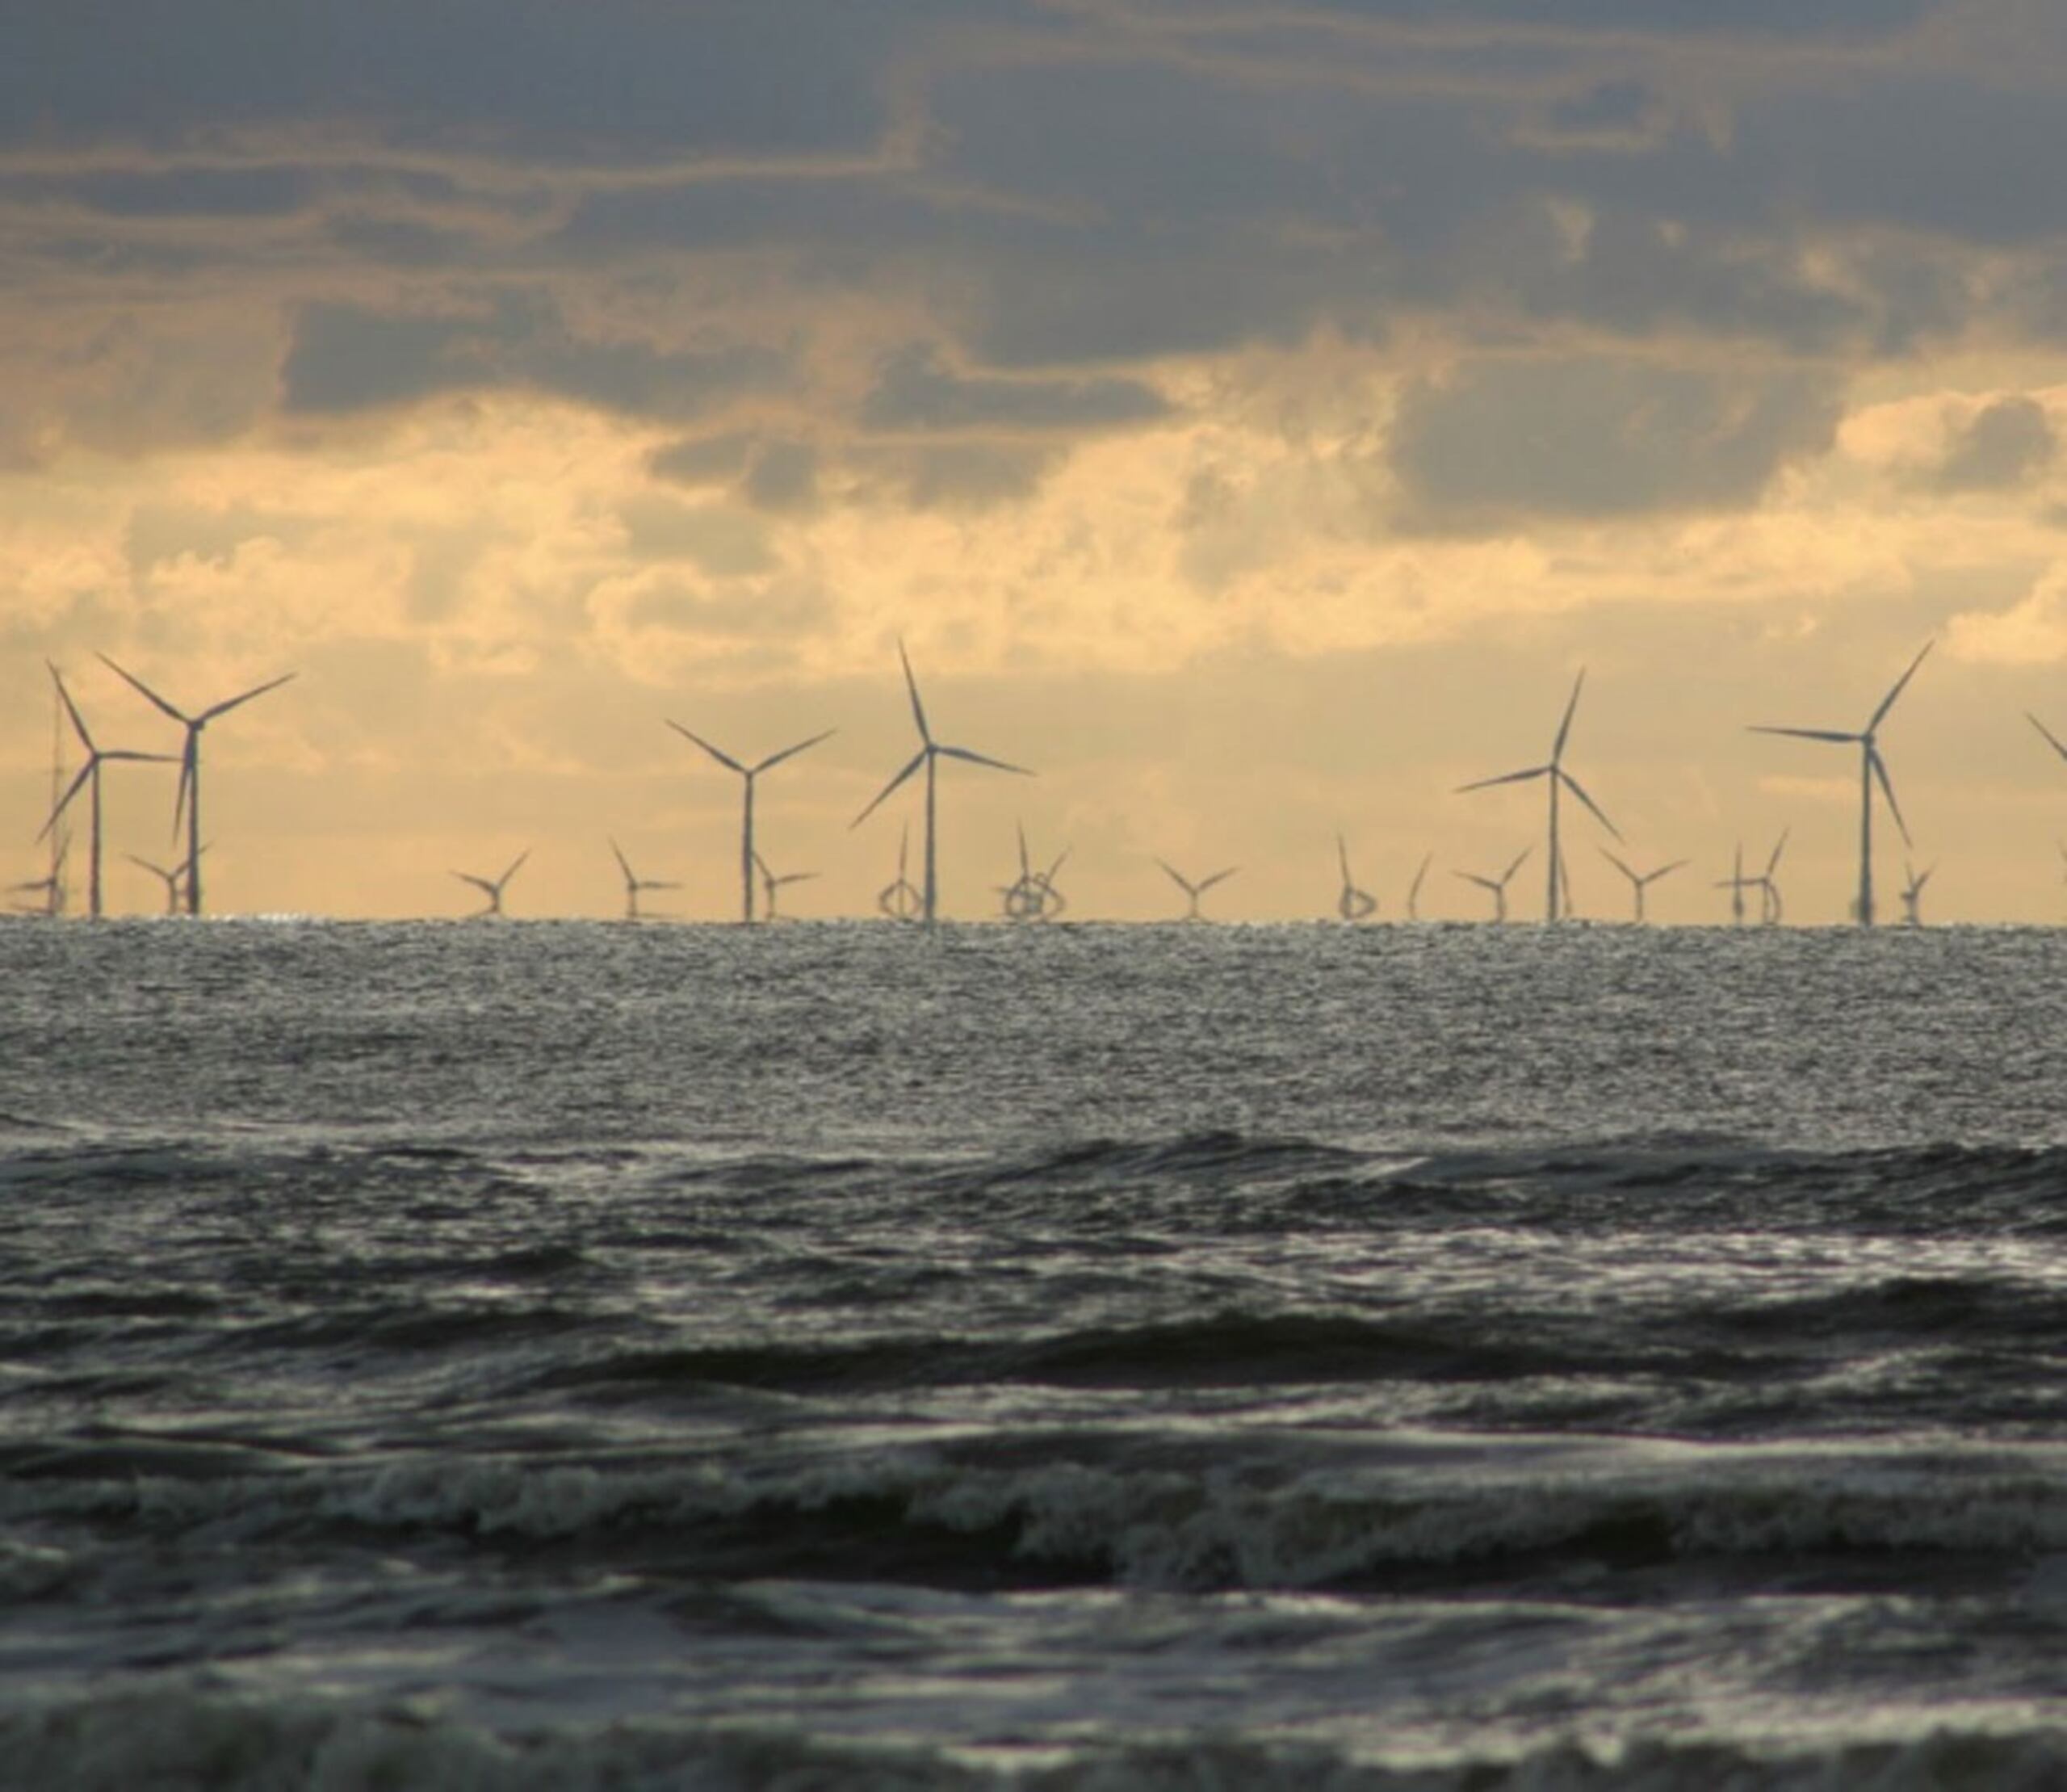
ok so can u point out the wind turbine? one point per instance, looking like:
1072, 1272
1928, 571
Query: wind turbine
1414, 889
53, 886
1871, 767
492, 888
1769, 906
1032, 896
89, 780
1195, 891
1553, 774
1353, 904
1737, 883
748, 774
1640, 882
172, 878
900, 901
1913, 893
189, 798
770, 883
930, 753
1498, 885
634, 884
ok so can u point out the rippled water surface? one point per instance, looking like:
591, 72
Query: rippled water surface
578, 1355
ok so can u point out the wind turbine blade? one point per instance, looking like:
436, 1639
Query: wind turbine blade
980, 759
229, 704
1505, 778
1048, 876
64, 802
71, 708
1218, 877
1809, 733
1888, 702
1414, 889
790, 753
1573, 785
1483, 882
139, 758
2052, 740
723, 759
1779, 847
796, 877
1887, 788
1664, 871
1565, 726
912, 685
480, 883
918, 759
189, 776
1178, 877
1342, 857
1025, 865
1618, 865
1518, 857
514, 864
623, 864
131, 679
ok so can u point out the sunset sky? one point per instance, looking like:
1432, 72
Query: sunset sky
1251, 416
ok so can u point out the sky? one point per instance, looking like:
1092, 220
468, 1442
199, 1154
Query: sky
1251, 417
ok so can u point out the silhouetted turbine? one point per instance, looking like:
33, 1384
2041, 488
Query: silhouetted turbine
89, 779
1737, 883
929, 753
1771, 908
1353, 904
1032, 896
1555, 775
492, 887
1640, 882
770, 883
171, 879
1498, 886
189, 798
634, 884
901, 900
748, 774
1913, 893
1414, 889
1195, 891
1871, 767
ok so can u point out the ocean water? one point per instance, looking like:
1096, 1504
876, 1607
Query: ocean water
558, 1354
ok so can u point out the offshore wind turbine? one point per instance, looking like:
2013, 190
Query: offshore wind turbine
89, 780
1640, 882
930, 753
1414, 889
900, 900
1195, 891
748, 774
1913, 893
1498, 885
492, 887
1871, 767
1553, 774
1353, 904
172, 878
634, 884
770, 883
1032, 896
1737, 883
189, 798
1771, 908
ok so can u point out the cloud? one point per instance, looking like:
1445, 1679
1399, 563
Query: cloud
1515, 437
2001, 445
345, 358
914, 393
723, 540
2031, 631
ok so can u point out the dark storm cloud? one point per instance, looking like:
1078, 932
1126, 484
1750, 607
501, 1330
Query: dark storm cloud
913, 393
2002, 446
954, 476
347, 358
1778, 18
1590, 438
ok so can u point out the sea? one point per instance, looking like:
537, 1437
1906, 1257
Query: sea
827, 1356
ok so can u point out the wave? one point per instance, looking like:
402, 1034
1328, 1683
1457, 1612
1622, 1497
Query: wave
179, 1737
1072, 1510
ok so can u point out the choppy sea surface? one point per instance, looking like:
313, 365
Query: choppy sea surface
567, 1355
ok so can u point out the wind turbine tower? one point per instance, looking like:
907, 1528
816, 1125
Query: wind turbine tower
1554, 775
189, 798
930, 753
1872, 766
748, 774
